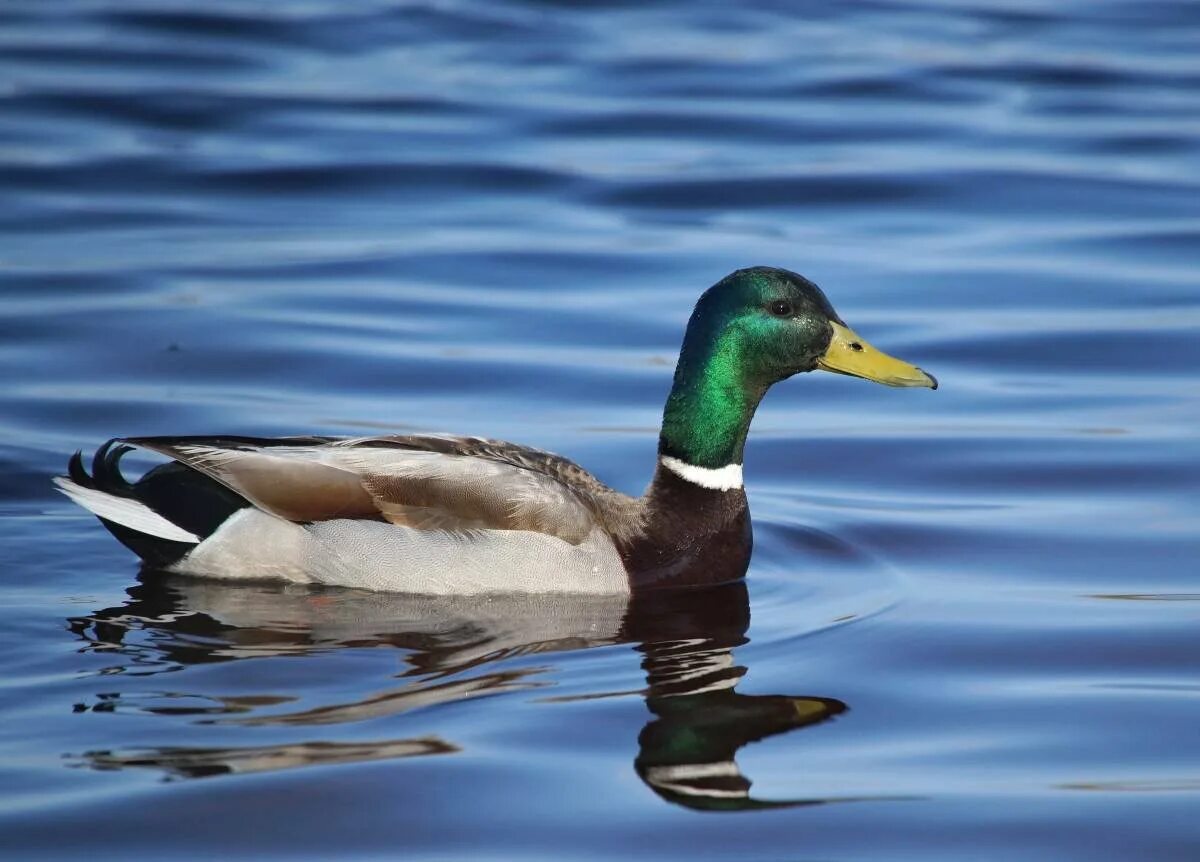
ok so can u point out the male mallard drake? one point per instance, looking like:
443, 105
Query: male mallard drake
439, 514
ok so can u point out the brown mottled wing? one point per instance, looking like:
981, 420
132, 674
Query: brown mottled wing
427, 482
619, 514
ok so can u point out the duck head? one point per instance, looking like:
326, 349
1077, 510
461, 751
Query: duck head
754, 328
776, 323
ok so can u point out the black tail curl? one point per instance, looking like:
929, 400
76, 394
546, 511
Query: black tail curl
106, 473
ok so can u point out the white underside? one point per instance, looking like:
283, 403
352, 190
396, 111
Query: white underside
716, 479
375, 555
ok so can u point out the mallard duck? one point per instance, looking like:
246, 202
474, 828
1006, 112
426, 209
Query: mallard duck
439, 514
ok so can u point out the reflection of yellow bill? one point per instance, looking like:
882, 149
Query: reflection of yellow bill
849, 354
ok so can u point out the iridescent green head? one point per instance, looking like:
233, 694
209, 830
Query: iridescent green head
751, 329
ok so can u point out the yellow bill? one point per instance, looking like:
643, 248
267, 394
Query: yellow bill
849, 354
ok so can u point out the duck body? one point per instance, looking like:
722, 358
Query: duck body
425, 514
438, 515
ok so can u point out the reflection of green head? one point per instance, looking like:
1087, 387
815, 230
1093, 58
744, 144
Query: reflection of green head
753, 328
687, 754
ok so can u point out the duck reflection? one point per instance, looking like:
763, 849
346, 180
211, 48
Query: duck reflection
450, 647
686, 753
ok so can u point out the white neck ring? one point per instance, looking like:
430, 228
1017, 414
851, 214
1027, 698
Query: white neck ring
715, 479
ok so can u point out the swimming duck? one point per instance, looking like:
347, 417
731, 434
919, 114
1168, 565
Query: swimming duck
439, 514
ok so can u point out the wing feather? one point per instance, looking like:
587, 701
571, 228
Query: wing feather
427, 482
284, 481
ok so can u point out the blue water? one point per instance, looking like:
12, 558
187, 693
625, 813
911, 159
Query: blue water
973, 615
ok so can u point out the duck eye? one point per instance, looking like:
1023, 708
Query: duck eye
780, 308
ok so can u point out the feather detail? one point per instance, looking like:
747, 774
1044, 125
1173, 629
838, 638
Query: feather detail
283, 481
424, 482
472, 491
125, 511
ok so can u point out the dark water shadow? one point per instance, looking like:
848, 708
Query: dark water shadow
450, 647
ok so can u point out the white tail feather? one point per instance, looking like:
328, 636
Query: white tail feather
124, 511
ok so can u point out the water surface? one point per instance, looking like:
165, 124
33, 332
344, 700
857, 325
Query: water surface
971, 624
